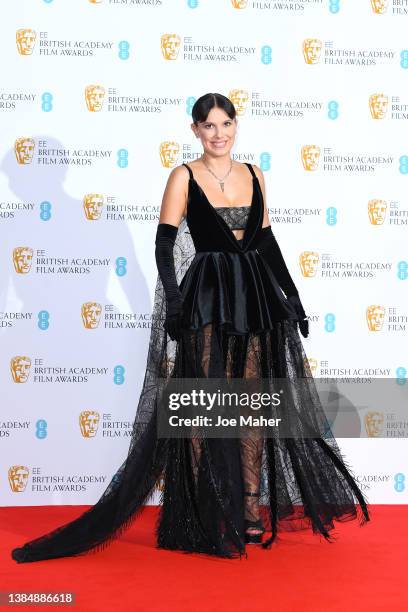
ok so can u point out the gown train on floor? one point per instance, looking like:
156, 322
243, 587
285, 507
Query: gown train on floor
236, 322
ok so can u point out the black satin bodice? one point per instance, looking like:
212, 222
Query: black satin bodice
229, 282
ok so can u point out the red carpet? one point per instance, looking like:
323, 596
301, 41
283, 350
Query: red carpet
365, 569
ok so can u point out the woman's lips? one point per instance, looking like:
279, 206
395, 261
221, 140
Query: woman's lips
220, 144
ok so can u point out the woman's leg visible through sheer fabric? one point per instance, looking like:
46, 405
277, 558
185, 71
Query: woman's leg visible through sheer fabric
242, 359
207, 348
204, 348
252, 442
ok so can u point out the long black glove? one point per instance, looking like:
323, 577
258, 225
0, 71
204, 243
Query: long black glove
268, 247
165, 239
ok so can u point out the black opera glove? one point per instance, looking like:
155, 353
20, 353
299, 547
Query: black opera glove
302, 322
165, 239
268, 247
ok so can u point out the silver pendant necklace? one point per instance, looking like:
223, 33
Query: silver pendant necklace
221, 181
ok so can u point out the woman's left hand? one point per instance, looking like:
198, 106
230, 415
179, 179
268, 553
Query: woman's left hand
303, 321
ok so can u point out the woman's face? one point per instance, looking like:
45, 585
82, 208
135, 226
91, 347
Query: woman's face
217, 133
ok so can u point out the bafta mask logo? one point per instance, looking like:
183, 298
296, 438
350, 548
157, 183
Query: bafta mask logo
25, 40
88, 423
378, 104
96, 1
20, 368
24, 150
93, 204
94, 96
239, 98
22, 259
169, 151
375, 317
377, 210
18, 478
309, 261
310, 157
311, 363
170, 45
91, 314
312, 49
239, 4
374, 424
379, 6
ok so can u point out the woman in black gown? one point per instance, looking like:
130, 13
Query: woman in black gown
225, 305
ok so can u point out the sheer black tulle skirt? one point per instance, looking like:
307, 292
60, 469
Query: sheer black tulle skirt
303, 482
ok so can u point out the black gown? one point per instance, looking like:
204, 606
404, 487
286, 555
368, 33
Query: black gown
236, 322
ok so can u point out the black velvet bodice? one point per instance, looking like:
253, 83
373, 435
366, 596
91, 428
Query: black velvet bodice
229, 282
210, 231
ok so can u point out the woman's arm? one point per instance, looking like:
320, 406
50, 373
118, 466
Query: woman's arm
268, 247
174, 201
171, 212
261, 179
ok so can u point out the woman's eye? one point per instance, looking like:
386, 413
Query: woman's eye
210, 124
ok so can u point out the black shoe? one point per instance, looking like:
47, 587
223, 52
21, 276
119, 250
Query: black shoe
250, 537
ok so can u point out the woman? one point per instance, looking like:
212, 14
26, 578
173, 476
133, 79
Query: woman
219, 292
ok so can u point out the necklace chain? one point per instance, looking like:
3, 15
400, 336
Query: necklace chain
221, 181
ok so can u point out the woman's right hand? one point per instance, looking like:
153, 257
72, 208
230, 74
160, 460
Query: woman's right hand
173, 321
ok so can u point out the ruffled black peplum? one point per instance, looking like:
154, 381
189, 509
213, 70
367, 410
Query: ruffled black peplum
235, 291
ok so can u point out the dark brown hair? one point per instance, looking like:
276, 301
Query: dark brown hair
205, 103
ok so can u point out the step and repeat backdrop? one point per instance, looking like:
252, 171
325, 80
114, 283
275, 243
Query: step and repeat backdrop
95, 111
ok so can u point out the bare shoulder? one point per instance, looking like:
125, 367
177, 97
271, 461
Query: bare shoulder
260, 176
259, 173
173, 206
177, 181
179, 174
